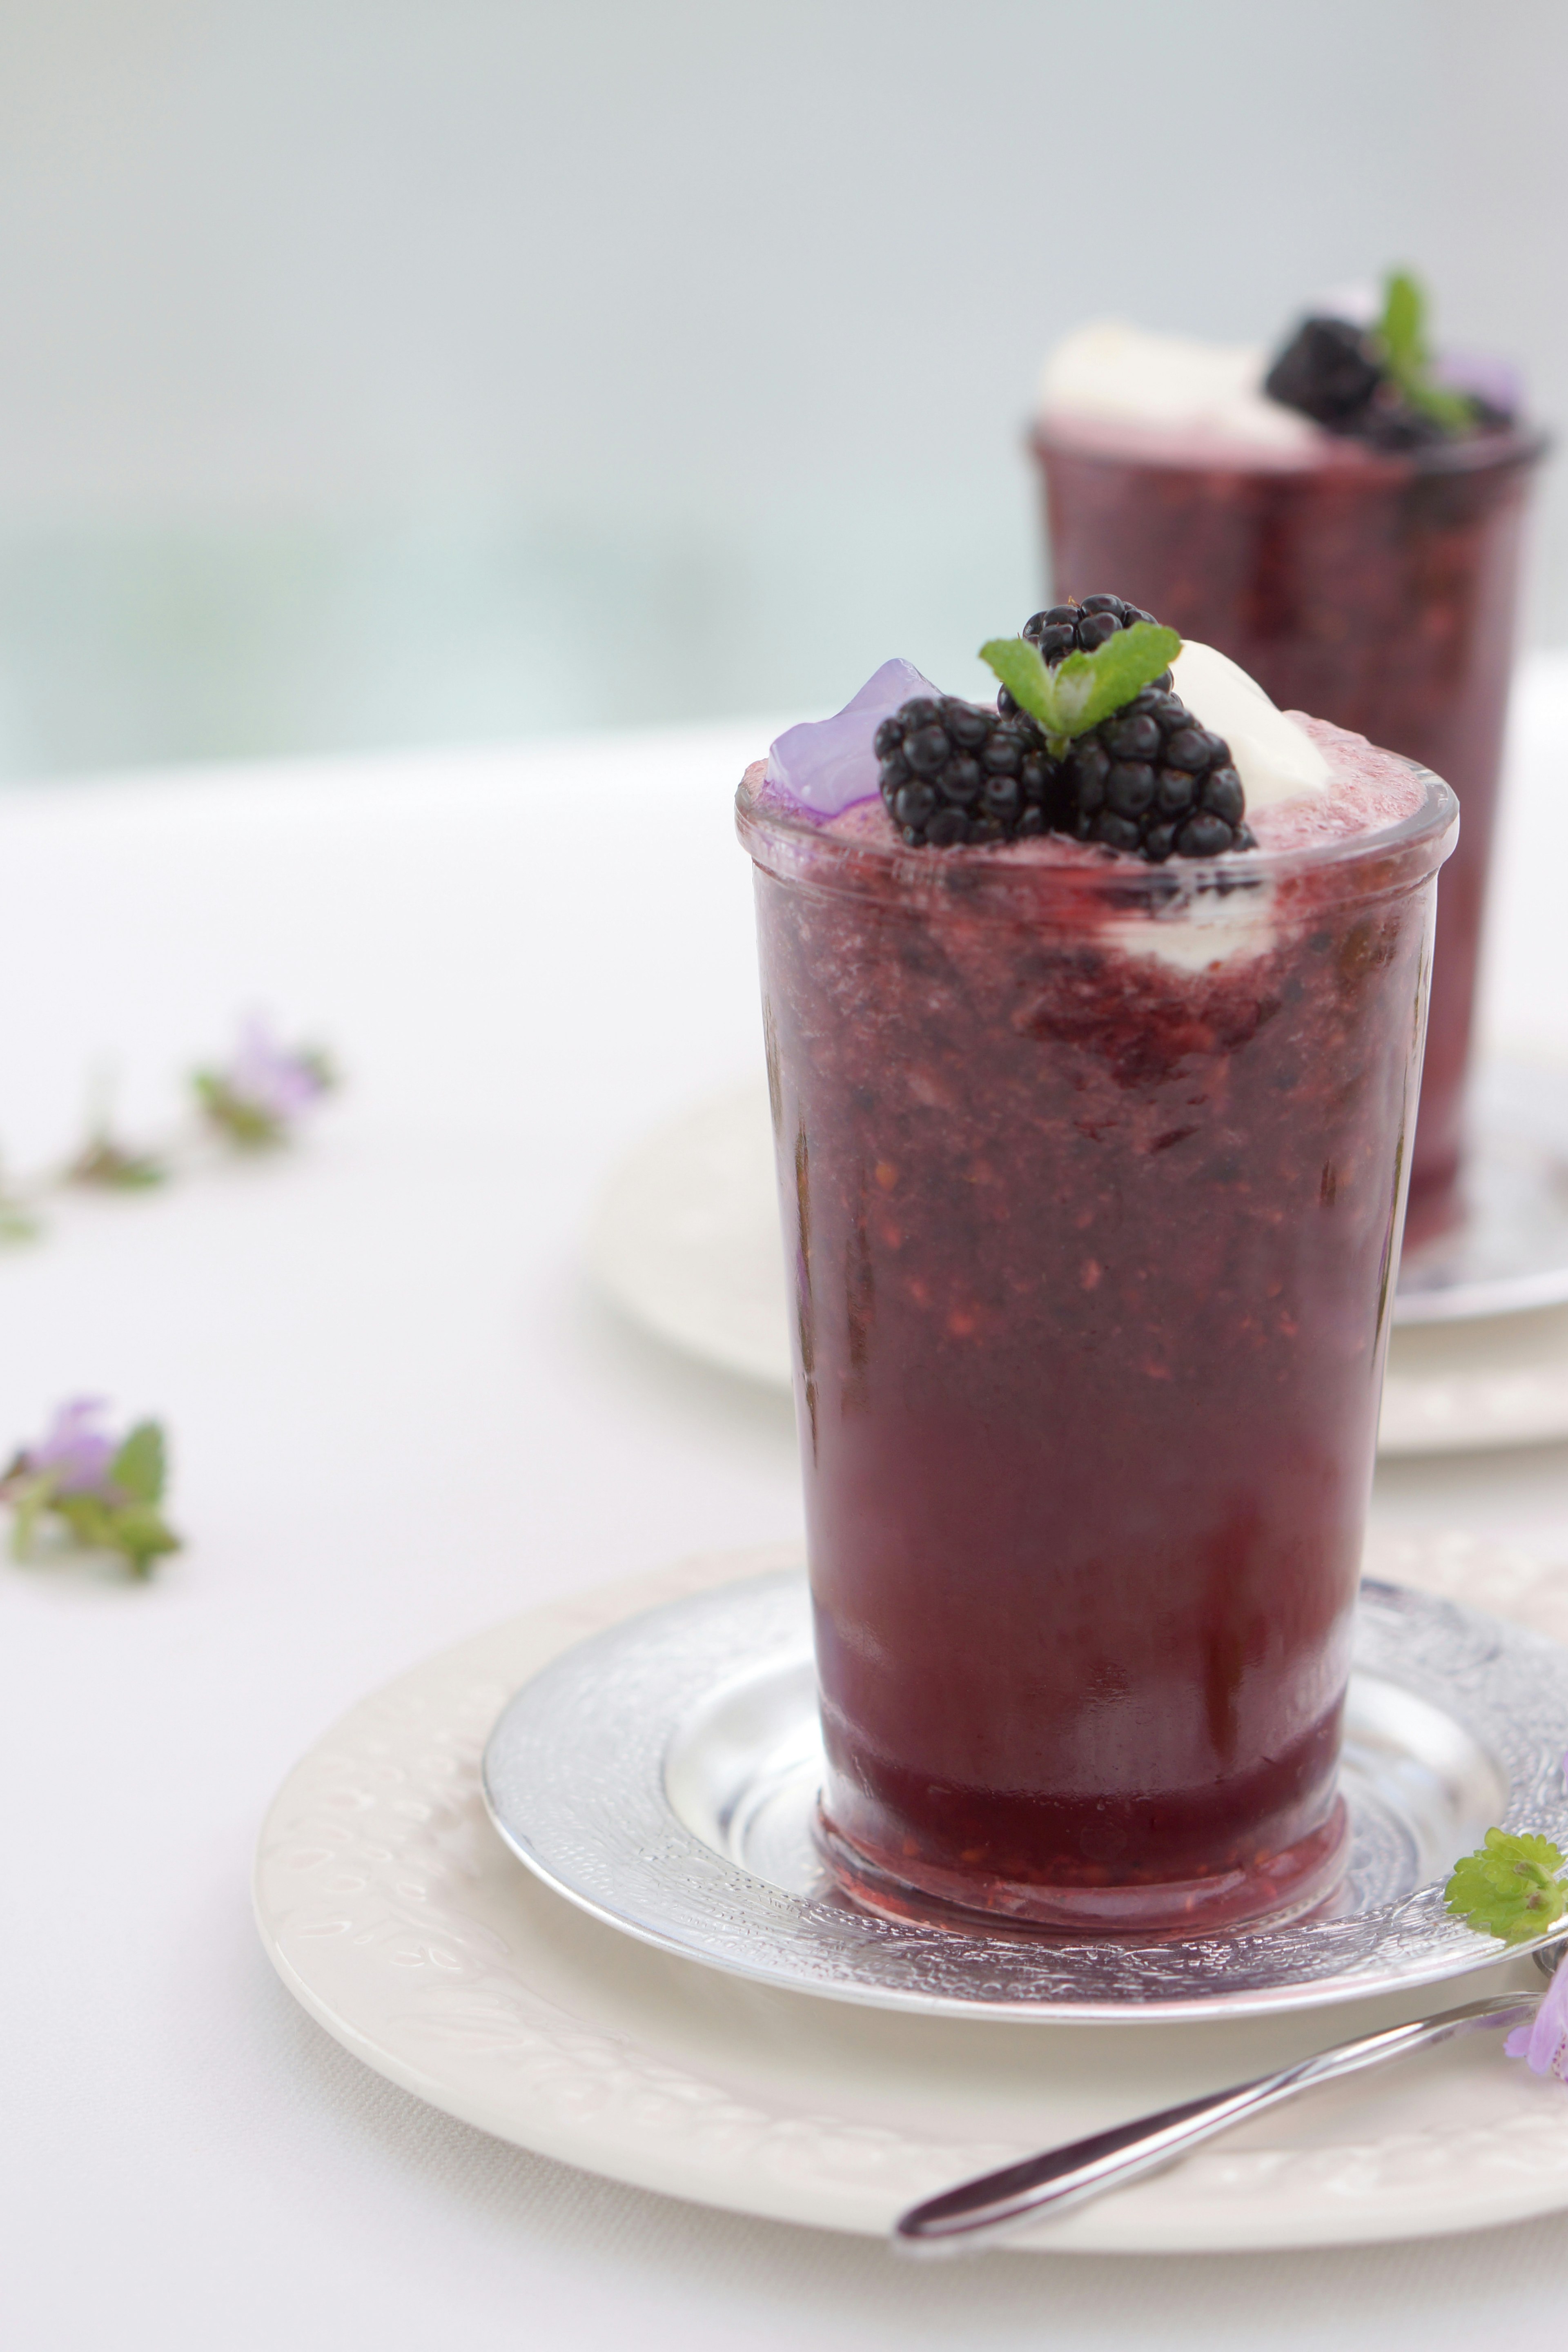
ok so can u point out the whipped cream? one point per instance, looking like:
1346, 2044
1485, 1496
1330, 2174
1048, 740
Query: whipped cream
1275, 757
1113, 373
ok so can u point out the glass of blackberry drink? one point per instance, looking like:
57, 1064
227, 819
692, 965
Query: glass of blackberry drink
1346, 525
1093, 1051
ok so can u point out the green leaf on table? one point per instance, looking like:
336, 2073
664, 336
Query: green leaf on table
135, 1530
142, 1536
30, 1495
1509, 1886
244, 1123
140, 1465
107, 1166
1086, 687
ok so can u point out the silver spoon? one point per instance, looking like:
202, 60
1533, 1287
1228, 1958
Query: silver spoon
979, 2212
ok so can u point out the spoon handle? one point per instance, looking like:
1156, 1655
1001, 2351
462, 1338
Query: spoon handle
980, 2211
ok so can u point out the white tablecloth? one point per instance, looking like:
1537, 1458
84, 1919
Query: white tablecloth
397, 1415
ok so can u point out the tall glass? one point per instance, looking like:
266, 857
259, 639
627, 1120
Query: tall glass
1092, 1177
1374, 589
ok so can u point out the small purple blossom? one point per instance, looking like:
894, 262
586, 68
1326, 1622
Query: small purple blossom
1482, 377
92, 1492
828, 764
74, 1450
274, 1081
1544, 2043
256, 1097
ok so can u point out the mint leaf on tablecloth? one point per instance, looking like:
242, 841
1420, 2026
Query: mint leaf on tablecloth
1509, 1886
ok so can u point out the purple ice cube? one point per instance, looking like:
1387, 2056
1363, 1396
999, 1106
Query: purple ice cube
827, 764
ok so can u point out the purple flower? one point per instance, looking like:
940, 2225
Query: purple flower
828, 764
74, 1451
1544, 2043
269, 1078
1483, 377
255, 1099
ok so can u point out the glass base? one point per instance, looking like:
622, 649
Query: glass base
1506, 1250
1275, 1891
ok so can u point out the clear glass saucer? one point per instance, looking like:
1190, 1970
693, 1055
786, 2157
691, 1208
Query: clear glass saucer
663, 1776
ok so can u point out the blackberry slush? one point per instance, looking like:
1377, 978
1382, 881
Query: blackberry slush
1093, 1173
1375, 586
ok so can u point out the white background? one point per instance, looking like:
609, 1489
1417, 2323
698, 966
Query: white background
375, 371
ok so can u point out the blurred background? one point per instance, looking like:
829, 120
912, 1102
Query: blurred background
379, 372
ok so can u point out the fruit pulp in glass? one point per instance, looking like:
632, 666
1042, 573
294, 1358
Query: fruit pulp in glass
1376, 589
1092, 1177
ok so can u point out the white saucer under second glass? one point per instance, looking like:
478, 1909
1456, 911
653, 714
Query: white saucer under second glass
664, 1777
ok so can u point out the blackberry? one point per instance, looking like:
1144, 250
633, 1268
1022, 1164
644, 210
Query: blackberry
1076, 627
1151, 781
950, 772
1335, 372
1079, 624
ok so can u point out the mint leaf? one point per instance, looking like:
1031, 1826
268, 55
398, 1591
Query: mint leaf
1026, 676
138, 1467
1092, 686
1401, 330
1509, 1886
1402, 333
1085, 687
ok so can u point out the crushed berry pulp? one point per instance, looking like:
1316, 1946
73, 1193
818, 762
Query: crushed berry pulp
1376, 590
1092, 1176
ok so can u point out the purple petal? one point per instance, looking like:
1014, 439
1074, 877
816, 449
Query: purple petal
827, 764
1483, 377
271, 1079
1544, 2043
79, 1452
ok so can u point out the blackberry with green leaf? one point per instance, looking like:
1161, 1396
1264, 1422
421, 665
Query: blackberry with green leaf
950, 772
1138, 772
1376, 383
1076, 627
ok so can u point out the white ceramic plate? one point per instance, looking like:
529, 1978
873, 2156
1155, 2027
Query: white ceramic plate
686, 1241
395, 1914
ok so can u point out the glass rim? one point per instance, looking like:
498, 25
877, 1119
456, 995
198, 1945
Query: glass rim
1499, 449
793, 847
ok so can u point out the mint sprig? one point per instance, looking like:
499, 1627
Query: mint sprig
1086, 687
1509, 1886
1401, 333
